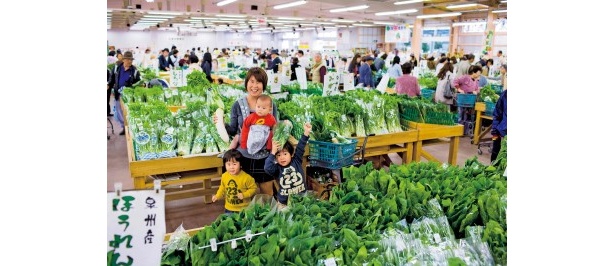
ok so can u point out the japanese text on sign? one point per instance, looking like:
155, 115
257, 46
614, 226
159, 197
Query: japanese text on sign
135, 227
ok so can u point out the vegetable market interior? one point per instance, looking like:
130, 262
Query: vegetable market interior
284, 132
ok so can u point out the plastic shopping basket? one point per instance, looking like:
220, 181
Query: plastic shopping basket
489, 107
466, 100
331, 155
427, 93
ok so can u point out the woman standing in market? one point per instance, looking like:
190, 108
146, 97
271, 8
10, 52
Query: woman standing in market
498, 126
319, 70
468, 84
353, 67
445, 82
253, 164
407, 84
395, 70
206, 66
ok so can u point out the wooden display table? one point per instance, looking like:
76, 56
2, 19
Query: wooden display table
480, 115
197, 172
432, 134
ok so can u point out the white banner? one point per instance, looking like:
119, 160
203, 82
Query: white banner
135, 227
301, 77
397, 33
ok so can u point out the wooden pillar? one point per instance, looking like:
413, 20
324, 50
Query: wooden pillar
454, 39
417, 34
489, 33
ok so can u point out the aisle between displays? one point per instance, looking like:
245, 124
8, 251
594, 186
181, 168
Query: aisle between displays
194, 213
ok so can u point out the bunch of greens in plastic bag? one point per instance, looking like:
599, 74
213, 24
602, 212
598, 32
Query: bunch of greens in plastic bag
281, 132
154, 94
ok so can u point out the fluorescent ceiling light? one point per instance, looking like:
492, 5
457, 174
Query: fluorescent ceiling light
406, 11
290, 4
408, 2
364, 25
230, 19
383, 23
164, 13
225, 2
306, 24
231, 16
276, 23
506, 1
289, 18
200, 18
453, 14
352, 8
153, 19
324, 23
467, 23
284, 21
465, 5
156, 16
499, 11
342, 21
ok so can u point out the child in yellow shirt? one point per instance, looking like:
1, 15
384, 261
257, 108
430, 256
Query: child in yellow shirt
236, 186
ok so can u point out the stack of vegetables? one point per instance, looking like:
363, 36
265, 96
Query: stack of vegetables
356, 113
294, 88
456, 215
428, 80
488, 94
425, 111
157, 133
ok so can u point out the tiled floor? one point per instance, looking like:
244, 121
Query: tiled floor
194, 213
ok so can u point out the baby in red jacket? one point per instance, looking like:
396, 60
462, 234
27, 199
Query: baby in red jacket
257, 130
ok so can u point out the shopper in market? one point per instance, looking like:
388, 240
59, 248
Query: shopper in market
353, 67
194, 63
463, 66
365, 73
498, 126
276, 62
207, 66
468, 84
254, 165
236, 186
395, 70
123, 76
407, 84
294, 64
413, 61
164, 62
319, 70
174, 58
445, 82
285, 165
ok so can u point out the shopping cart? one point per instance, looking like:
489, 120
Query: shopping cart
326, 157
486, 125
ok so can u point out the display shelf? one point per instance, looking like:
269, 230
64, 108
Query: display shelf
227, 80
480, 116
194, 169
432, 134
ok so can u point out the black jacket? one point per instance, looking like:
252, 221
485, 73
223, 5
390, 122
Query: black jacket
135, 77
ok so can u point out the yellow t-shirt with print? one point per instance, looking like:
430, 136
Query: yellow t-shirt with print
231, 185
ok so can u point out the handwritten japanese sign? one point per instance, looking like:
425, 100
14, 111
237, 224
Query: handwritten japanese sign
397, 33
135, 227
332, 81
178, 78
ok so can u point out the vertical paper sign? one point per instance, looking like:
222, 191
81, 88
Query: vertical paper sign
135, 227
185, 77
348, 82
276, 83
332, 81
222, 64
269, 77
301, 78
177, 78
285, 74
382, 86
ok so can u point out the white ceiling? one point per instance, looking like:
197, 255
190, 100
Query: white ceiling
125, 13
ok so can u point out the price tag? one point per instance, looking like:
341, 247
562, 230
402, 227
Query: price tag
269, 77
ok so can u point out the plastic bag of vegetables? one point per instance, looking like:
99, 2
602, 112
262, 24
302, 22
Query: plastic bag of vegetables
282, 131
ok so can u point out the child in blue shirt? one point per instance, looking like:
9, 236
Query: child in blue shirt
285, 165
